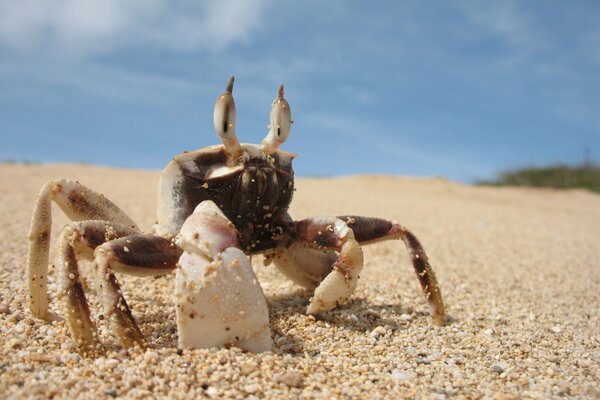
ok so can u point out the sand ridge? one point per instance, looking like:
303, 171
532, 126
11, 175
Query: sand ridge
519, 270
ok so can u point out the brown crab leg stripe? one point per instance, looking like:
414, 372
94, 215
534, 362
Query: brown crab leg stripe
79, 239
126, 328
83, 330
330, 233
318, 233
370, 230
144, 255
82, 203
367, 230
140, 255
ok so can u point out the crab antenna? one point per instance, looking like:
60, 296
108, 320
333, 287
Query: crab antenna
224, 119
280, 123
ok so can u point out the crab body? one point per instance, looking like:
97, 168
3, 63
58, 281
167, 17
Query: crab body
254, 192
216, 206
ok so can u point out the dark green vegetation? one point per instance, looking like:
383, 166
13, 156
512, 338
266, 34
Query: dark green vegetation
585, 176
12, 161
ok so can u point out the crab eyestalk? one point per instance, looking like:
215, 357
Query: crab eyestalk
280, 123
224, 119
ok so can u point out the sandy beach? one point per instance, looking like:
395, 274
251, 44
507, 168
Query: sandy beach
519, 270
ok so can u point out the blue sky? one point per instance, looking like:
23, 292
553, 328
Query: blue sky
456, 89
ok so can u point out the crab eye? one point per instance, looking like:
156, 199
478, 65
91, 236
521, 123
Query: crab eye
224, 114
281, 117
281, 122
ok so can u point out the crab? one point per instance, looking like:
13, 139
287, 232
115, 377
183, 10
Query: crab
216, 207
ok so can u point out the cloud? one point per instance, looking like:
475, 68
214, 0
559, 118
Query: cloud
84, 27
511, 25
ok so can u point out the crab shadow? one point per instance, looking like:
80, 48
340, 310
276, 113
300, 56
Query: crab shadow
345, 314
356, 314
287, 309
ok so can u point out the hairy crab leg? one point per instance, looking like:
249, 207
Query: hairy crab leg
219, 300
371, 230
139, 255
80, 238
78, 203
326, 234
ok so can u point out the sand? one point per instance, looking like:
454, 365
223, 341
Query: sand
519, 270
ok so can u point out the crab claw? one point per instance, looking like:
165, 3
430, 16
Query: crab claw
341, 282
219, 300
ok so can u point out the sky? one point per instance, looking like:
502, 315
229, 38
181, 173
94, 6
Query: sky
461, 89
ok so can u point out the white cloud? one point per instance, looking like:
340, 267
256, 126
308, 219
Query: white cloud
513, 26
82, 27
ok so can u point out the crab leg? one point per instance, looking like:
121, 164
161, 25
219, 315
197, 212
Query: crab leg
330, 233
371, 230
78, 203
139, 255
80, 238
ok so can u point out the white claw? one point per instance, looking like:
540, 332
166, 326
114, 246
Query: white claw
335, 289
219, 300
338, 286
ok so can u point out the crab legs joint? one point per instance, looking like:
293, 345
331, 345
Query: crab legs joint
78, 203
104, 234
324, 257
372, 230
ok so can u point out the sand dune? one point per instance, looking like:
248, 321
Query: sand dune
519, 270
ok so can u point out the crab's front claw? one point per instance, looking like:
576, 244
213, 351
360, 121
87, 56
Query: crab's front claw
325, 257
219, 300
341, 282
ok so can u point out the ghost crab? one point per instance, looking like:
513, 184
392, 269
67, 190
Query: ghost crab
216, 206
